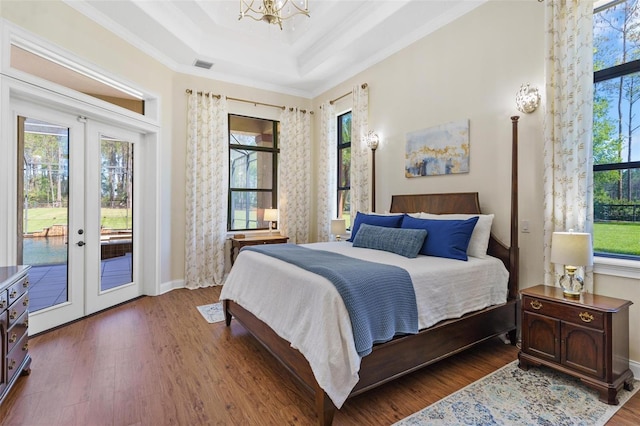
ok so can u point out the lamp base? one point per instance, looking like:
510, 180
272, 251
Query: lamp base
571, 283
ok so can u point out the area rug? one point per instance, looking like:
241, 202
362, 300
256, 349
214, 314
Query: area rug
511, 396
212, 313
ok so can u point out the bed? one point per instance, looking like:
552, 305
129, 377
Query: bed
402, 354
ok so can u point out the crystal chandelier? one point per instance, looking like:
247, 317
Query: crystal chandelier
272, 11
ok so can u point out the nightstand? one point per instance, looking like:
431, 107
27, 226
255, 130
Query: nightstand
587, 338
238, 243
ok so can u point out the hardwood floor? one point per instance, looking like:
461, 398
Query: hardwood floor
156, 361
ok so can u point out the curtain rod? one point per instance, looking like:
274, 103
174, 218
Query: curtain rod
189, 91
364, 86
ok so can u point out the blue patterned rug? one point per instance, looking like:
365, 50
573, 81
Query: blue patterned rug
511, 396
212, 313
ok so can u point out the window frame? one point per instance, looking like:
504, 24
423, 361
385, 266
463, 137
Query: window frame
274, 150
340, 146
613, 264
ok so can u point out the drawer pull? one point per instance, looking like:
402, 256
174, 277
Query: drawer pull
25, 284
13, 315
25, 302
11, 364
13, 294
586, 316
13, 338
25, 347
2, 305
535, 304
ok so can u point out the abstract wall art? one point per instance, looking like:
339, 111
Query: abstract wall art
439, 150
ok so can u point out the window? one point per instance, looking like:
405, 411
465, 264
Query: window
253, 171
616, 129
344, 167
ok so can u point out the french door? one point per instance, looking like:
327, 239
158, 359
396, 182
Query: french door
77, 214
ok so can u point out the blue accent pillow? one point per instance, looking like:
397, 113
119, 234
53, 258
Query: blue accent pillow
405, 242
392, 221
446, 238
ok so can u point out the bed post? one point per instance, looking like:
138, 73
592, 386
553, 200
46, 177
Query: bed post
325, 410
513, 248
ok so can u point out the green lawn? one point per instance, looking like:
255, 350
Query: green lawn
38, 219
621, 237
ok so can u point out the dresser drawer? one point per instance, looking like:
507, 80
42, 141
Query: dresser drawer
18, 289
17, 331
16, 356
577, 315
18, 307
4, 300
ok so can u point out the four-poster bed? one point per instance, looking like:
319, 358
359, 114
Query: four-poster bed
408, 353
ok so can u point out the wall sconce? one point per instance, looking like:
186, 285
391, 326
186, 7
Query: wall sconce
270, 215
527, 99
372, 142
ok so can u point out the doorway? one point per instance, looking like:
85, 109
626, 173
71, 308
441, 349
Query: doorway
77, 214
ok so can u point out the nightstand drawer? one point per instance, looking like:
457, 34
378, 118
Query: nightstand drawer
577, 315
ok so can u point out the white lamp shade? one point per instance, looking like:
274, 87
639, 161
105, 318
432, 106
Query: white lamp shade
338, 226
270, 215
571, 248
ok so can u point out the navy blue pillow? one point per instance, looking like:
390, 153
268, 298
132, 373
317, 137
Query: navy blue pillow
405, 242
392, 221
445, 238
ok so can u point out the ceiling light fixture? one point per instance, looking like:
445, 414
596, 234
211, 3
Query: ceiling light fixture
272, 11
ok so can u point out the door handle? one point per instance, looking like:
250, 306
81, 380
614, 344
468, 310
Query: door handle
80, 243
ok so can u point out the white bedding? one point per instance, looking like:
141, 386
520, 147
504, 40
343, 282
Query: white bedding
306, 309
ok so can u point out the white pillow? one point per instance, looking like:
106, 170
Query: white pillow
479, 241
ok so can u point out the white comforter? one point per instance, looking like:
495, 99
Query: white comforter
307, 310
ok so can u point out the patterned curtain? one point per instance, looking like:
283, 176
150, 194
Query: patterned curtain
206, 195
568, 122
359, 151
294, 169
327, 171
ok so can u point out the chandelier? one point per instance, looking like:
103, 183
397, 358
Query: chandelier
272, 11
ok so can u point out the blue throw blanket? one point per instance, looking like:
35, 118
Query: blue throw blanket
379, 298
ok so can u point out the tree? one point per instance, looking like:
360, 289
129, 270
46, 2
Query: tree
616, 41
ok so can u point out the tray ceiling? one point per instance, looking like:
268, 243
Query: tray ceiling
311, 55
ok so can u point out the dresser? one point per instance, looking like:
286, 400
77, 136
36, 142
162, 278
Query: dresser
238, 243
14, 320
587, 338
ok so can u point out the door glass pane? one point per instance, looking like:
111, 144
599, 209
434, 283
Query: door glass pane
116, 213
43, 197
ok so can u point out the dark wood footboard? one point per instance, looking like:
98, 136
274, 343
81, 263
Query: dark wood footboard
390, 360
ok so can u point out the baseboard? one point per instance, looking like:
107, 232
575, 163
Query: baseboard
171, 285
634, 366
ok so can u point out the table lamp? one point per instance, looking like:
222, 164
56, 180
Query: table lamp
270, 215
571, 249
338, 228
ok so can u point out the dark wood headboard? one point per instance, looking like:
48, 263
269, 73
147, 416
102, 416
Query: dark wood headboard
455, 202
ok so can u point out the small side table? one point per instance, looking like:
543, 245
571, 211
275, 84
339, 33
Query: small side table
587, 338
238, 243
